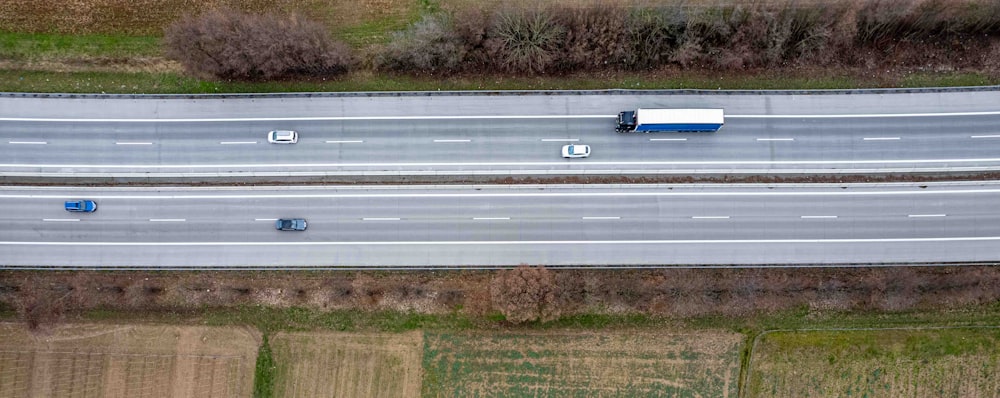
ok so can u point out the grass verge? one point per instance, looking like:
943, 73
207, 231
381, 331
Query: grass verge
171, 83
38, 45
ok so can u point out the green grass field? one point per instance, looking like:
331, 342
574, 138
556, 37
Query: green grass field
613, 364
890, 363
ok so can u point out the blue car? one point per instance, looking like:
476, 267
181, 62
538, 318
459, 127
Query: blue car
290, 224
83, 205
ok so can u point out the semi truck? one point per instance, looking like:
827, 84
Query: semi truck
680, 120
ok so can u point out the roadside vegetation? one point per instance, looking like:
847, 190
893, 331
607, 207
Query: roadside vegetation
154, 47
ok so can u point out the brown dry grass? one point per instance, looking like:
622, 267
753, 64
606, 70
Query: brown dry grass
127, 361
347, 364
150, 17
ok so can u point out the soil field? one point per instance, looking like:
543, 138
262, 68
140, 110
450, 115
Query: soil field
127, 361
610, 364
347, 364
893, 363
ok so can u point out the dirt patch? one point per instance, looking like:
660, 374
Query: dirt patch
891, 363
624, 363
84, 360
96, 64
347, 364
41, 297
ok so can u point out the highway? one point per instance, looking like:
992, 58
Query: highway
504, 134
488, 226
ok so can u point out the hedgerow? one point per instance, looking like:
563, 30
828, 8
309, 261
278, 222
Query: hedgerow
568, 39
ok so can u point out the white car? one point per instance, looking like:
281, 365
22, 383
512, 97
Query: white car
282, 137
576, 151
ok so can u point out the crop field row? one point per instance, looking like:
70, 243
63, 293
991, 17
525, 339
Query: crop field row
163, 361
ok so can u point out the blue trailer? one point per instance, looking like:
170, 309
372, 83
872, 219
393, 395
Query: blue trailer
678, 120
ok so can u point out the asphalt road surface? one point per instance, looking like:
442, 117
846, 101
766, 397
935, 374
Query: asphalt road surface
485, 226
494, 135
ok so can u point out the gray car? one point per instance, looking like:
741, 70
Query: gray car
290, 224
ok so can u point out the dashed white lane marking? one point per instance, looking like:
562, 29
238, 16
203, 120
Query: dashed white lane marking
167, 219
133, 143
775, 139
60, 219
668, 139
881, 138
237, 142
491, 218
926, 215
601, 218
452, 140
560, 139
818, 217
27, 142
985, 136
380, 219
345, 142
265, 219
710, 217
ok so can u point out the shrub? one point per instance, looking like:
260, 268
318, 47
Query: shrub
653, 36
429, 46
525, 41
525, 294
596, 37
231, 44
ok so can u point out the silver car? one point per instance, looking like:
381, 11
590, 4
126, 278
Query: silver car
290, 224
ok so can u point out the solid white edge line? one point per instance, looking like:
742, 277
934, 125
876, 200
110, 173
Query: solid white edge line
926, 215
346, 142
710, 217
514, 242
236, 142
881, 138
167, 219
601, 218
560, 139
491, 218
380, 219
27, 142
452, 140
668, 139
485, 117
775, 139
521, 194
818, 217
133, 143
60, 219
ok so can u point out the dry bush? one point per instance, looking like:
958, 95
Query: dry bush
230, 44
525, 294
431, 46
525, 41
596, 37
